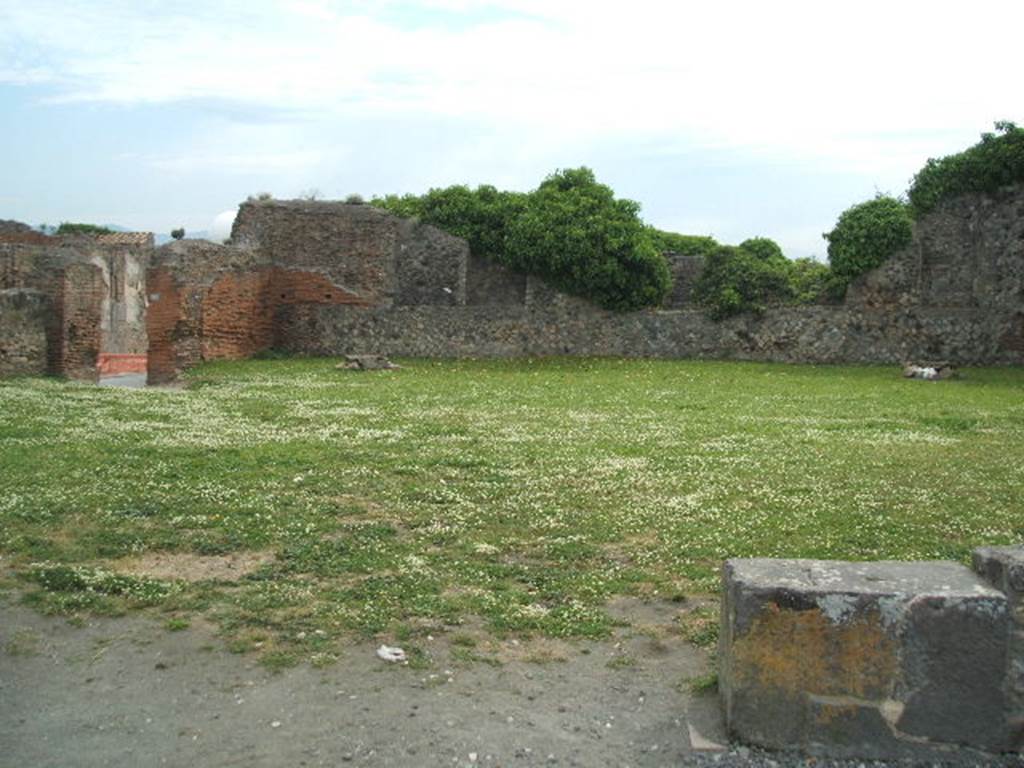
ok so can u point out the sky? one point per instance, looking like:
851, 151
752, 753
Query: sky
726, 118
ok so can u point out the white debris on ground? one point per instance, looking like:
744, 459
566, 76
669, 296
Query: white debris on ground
920, 372
391, 654
929, 371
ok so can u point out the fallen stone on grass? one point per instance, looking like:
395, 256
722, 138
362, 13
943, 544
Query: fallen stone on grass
366, 363
929, 371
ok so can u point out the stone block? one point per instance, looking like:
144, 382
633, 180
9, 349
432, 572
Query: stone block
864, 660
1003, 568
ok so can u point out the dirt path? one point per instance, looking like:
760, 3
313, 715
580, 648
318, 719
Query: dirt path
127, 692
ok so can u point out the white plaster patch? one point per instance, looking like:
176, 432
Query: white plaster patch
892, 711
837, 607
891, 610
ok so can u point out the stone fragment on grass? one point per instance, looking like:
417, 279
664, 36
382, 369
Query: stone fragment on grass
366, 363
930, 371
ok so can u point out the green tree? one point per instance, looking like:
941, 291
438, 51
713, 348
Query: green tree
764, 249
688, 245
571, 231
735, 280
866, 235
577, 235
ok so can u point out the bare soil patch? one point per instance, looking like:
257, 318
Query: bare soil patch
186, 566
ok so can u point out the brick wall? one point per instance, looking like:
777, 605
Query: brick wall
76, 335
209, 302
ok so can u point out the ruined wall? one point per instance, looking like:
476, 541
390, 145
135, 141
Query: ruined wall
488, 282
188, 284
23, 320
568, 326
211, 302
332, 278
124, 305
367, 252
76, 333
957, 294
686, 271
113, 288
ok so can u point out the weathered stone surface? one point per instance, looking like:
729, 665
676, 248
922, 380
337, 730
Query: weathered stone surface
686, 271
23, 318
863, 659
1003, 567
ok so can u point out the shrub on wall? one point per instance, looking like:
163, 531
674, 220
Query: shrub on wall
994, 162
571, 231
577, 235
736, 280
481, 216
866, 235
688, 245
73, 228
765, 249
812, 282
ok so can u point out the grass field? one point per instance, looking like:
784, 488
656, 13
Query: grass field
520, 496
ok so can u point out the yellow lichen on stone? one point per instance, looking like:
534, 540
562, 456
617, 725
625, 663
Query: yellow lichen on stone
804, 652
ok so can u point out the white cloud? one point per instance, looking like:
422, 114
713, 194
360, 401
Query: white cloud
810, 79
867, 89
233, 162
220, 228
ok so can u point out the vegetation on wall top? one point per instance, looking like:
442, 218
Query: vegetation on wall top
571, 230
869, 233
995, 161
575, 233
756, 273
866, 235
687, 245
72, 228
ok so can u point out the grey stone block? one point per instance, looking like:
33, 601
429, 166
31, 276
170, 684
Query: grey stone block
1003, 568
867, 660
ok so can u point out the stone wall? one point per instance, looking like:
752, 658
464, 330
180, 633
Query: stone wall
957, 294
686, 271
23, 318
367, 252
76, 335
561, 325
